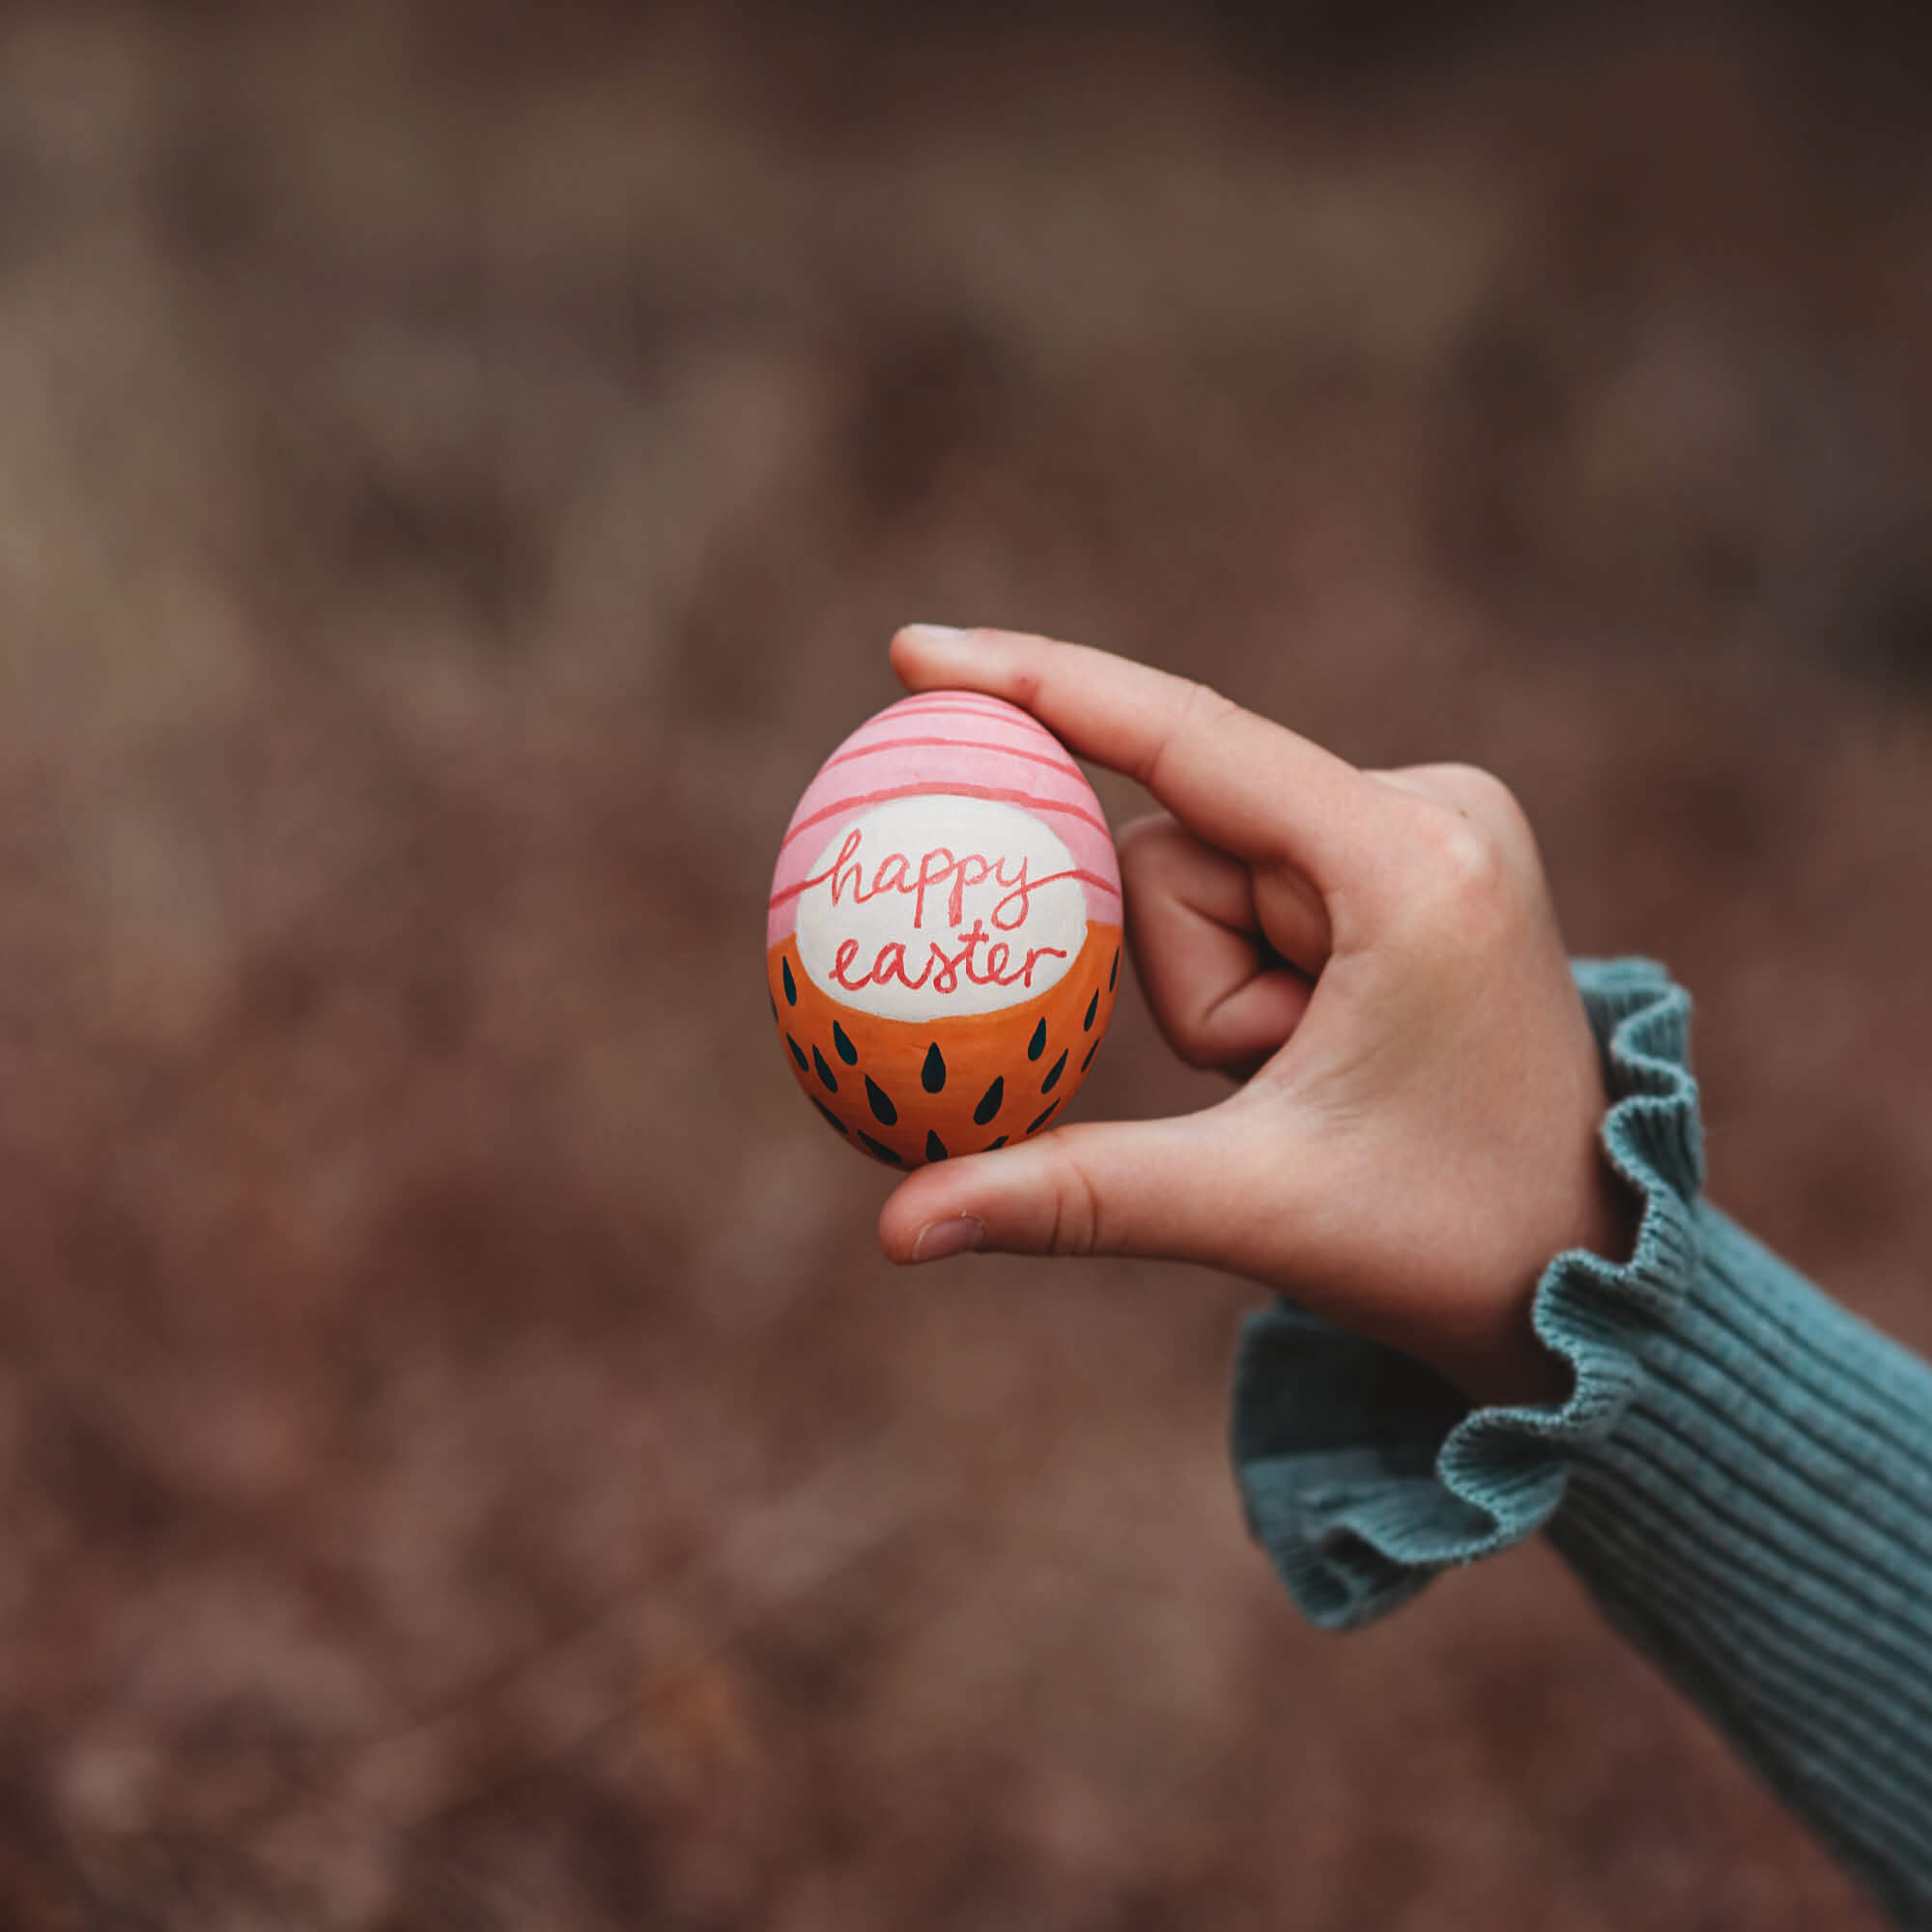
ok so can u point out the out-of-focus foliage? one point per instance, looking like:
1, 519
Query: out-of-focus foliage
463, 1461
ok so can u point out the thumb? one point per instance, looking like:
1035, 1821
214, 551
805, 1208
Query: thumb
1171, 1188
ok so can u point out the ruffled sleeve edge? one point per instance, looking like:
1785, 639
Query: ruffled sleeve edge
1591, 1311
1353, 1533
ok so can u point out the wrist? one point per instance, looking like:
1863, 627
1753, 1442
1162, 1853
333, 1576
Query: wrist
1504, 1361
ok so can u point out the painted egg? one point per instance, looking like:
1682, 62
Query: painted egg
943, 944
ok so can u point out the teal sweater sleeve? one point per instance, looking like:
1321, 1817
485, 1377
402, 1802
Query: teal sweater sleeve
1742, 1474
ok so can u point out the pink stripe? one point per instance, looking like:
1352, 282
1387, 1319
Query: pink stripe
1004, 713
980, 700
1063, 763
998, 793
1006, 718
955, 695
1085, 879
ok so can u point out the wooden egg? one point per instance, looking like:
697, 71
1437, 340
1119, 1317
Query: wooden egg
943, 944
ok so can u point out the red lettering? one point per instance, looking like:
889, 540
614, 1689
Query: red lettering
975, 939
1021, 892
971, 871
1035, 953
894, 951
838, 872
979, 958
938, 868
929, 878
945, 969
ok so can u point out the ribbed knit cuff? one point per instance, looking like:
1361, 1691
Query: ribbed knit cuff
1742, 1476
1363, 1473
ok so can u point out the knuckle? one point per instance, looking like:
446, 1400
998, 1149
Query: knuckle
1077, 1228
1148, 847
1023, 686
1162, 867
1477, 783
1190, 1036
1466, 886
1190, 1048
1199, 709
1179, 1013
1491, 799
1485, 799
1203, 708
1464, 853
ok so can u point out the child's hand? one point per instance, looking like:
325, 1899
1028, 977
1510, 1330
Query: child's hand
1374, 954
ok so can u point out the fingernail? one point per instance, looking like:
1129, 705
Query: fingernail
939, 1238
932, 634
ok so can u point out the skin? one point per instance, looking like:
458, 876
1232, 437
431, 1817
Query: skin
1374, 957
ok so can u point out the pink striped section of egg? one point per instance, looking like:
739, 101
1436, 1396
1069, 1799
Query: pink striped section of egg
958, 744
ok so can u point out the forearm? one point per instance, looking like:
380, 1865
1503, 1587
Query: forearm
1760, 1522
1742, 1474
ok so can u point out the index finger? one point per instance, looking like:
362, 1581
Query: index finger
1250, 786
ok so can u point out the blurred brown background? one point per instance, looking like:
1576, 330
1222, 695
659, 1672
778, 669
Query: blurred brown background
464, 1462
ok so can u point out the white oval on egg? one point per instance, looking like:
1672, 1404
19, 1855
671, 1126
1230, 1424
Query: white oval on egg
937, 905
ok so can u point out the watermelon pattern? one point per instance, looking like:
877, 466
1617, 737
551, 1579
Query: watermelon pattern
906, 1094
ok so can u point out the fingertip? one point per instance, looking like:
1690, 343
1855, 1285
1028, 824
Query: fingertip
1148, 831
956, 1235
903, 652
924, 655
922, 1201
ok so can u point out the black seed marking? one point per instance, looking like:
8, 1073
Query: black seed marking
935, 1148
798, 1053
1045, 1118
882, 1105
847, 1051
1092, 1007
989, 1103
880, 1148
1052, 1080
1091, 1052
1037, 1046
791, 985
991, 1144
827, 1112
932, 1075
1114, 971
824, 1072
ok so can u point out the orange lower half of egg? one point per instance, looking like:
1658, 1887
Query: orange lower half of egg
912, 1091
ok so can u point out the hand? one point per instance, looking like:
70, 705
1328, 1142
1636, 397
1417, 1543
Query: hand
1374, 954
